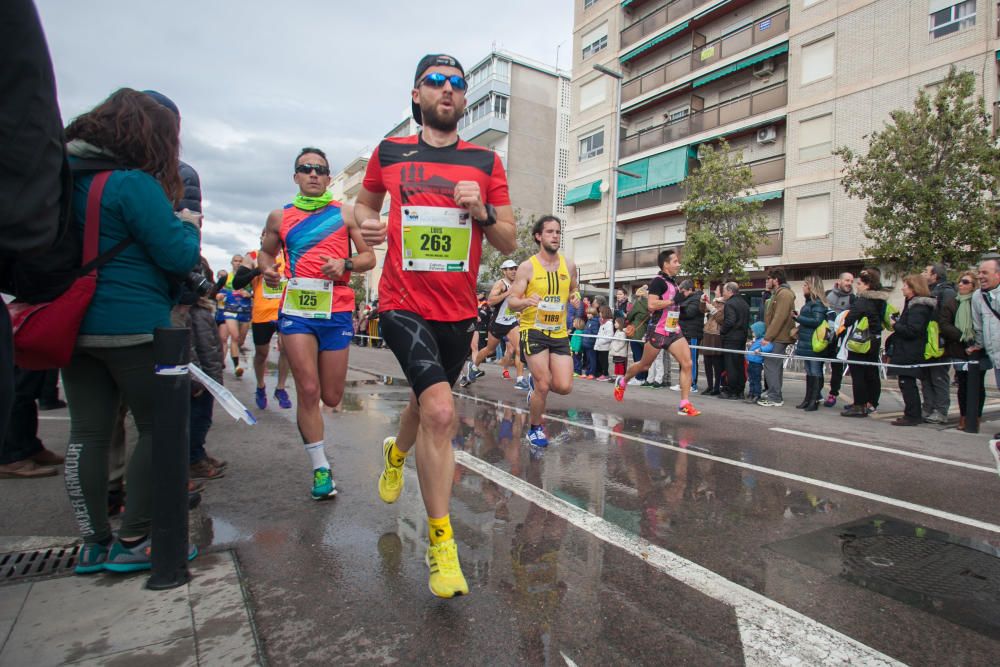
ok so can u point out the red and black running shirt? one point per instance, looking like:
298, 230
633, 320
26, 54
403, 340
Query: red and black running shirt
416, 174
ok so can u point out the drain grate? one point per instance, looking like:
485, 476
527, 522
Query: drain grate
928, 567
38, 563
948, 575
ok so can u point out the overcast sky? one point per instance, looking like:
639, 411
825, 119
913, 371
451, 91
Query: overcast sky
257, 80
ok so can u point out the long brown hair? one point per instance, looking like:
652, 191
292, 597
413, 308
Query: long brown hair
139, 131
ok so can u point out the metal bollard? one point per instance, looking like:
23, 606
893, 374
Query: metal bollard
171, 437
972, 397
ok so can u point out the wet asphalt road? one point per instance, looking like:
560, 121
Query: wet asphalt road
897, 553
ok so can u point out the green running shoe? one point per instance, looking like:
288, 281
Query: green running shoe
323, 484
91, 558
136, 559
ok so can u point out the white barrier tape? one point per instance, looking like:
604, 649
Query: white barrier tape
164, 369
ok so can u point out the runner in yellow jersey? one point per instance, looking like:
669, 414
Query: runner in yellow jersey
540, 293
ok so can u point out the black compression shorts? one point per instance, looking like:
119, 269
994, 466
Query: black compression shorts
263, 332
428, 352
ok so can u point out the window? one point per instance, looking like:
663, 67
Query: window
594, 41
815, 137
947, 16
593, 93
587, 249
587, 4
813, 216
675, 115
493, 103
591, 145
641, 237
817, 60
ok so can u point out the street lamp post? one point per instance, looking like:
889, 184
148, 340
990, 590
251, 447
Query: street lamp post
613, 185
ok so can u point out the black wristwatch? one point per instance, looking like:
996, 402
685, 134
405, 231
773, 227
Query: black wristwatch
491, 217
348, 265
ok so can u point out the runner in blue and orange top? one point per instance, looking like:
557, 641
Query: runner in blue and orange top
447, 194
315, 235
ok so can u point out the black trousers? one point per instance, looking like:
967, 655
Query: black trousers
836, 377
734, 366
911, 396
963, 388
21, 437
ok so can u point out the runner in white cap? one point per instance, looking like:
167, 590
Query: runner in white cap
505, 325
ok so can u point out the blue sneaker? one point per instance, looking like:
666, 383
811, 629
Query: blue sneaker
283, 399
136, 559
323, 484
261, 398
536, 436
522, 384
91, 558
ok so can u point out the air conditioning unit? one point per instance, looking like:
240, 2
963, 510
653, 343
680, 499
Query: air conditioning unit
767, 135
764, 69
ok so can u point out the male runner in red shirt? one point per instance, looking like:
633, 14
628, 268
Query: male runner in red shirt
446, 195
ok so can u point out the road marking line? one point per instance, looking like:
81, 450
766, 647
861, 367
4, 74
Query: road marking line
888, 450
52, 418
770, 632
885, 500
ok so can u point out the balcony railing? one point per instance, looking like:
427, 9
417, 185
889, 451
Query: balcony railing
644, 257
768, 170
656, 197
762, 171
738, 108
658, 18
772, 246
703, 56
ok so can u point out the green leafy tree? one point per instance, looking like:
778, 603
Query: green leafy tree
930, 180
489, 267
724, 230
358, 285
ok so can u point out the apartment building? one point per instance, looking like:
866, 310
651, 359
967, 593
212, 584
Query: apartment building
519, 108
786, 81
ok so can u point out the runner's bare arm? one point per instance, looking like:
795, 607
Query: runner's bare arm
517, 301
366, 212
656, 303
270, 246
571, 267
362, 261
497, 294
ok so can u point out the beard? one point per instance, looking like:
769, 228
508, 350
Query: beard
440, 122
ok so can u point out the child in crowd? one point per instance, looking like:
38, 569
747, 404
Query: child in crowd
755, 362
619, 347
605, 332
576, 346
589, 339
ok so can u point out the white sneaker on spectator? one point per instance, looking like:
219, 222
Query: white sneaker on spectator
675, 387
635, 381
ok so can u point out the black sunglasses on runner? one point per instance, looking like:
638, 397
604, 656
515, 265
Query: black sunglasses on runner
436, 80
964, 281
318, 168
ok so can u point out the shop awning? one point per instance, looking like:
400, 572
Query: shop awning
741, 64
588, 192
656, 171
653, 42
764, 196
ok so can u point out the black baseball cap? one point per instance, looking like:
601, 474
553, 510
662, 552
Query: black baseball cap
427, 62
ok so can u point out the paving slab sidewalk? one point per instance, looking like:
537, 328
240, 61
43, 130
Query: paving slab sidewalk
114, 620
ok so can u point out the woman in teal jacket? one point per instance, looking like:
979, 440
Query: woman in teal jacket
113, 360
813, 313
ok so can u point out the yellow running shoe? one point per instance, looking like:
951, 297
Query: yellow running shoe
446, 579
390, 482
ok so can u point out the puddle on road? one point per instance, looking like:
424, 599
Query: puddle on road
943, 574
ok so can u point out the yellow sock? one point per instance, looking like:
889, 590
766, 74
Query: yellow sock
396, 456
439, 530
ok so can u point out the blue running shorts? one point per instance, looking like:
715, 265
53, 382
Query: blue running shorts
333, 334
